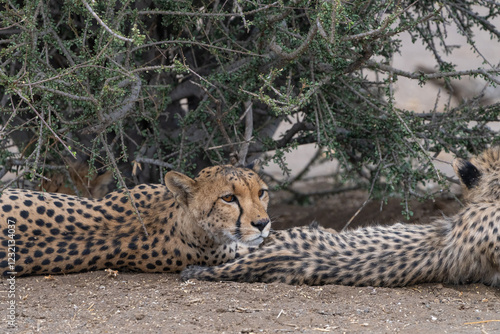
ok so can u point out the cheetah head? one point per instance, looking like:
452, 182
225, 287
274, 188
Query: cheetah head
229, 203
480, 177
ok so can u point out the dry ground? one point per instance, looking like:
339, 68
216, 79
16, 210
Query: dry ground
160, 303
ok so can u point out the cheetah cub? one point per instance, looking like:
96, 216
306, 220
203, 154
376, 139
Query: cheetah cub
204, 221
464, 248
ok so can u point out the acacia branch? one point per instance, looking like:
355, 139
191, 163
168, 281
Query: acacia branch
111, 157
200, 44
44, 122
387, 22
438, 75
127, 104
101, 22
298, 51
297, 127
242, 154
68, 95
154, 162
201, 14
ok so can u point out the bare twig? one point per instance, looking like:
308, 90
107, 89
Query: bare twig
127, 105
415, 140
227, 145
101, 22
368, 199
297, 127
379, 32
481, 322
200, 44
68, 95
242, 154
202, 14
154, 162
8, 183
122, 182
298, 51
43, 121
69, 57
438, 75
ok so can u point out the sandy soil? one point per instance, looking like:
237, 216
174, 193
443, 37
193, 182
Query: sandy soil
161, 303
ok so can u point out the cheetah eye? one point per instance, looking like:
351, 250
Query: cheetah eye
262, 192
229, 198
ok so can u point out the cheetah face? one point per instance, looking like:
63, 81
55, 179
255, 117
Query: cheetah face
480, 176
229, 203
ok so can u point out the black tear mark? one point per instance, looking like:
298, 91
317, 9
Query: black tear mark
238, 222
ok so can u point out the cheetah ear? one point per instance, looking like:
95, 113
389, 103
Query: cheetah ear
181, 186
468, 174
255, 165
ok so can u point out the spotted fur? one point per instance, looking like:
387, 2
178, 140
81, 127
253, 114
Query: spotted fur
464, 248
204, 221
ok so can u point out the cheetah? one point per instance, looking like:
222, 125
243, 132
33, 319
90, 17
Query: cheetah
464, 248
206, 221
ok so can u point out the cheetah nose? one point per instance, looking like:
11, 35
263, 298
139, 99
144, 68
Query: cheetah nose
261, 224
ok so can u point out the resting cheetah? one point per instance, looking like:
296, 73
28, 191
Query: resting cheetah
204, 221
464, 248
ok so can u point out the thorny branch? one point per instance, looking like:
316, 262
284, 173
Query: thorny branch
438, 75
242, 154
101, 22
292, 55
172, 96
122, 182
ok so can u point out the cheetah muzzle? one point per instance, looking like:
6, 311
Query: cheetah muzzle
207, 220
464, 248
